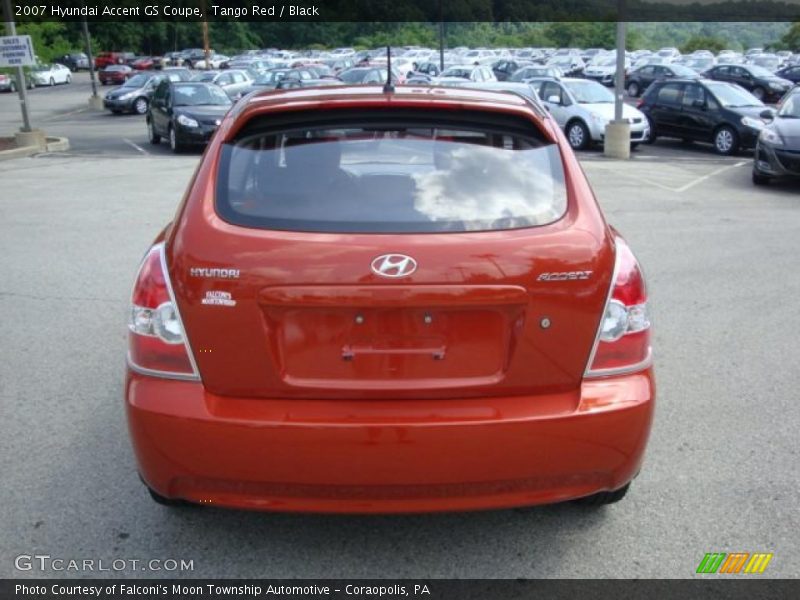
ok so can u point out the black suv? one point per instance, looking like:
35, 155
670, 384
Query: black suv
763, 84
639, 80
702, 110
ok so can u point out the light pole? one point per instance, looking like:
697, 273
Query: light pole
95, 101
11, 29
617, 143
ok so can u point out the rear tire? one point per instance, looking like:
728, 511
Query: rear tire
759, 92
52, 82
633, 89
69, 79
604, 498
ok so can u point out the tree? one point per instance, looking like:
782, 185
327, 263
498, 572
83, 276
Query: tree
791, 40
702, 42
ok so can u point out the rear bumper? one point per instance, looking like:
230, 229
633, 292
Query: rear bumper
388, 456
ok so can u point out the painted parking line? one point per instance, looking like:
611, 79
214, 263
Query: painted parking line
621, 172
713, 173
136, 146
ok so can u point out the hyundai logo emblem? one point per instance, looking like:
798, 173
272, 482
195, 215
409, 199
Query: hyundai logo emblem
393, 265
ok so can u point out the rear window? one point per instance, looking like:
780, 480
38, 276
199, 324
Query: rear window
381, 173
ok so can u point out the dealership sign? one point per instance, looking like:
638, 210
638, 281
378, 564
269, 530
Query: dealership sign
16, 51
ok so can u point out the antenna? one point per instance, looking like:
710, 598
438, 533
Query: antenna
388, 87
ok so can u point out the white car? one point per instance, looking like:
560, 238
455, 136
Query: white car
214, 62
50, 74
472, 73
583, 108
479, 56
604, 69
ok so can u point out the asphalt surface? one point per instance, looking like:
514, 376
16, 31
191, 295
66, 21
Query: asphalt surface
722, 466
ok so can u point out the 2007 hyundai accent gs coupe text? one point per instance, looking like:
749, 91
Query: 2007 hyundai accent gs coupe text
388, 301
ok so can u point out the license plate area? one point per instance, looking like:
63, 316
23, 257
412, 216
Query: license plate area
379, 348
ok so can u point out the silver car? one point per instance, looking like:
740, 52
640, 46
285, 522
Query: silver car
583, 108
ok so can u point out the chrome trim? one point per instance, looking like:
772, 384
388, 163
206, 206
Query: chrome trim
161, 374
640, 366
189, 351
195, 375
589, 362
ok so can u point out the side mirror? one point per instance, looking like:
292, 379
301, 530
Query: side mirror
767, 114
554, 99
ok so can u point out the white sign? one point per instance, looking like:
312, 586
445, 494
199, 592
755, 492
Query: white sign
16, 51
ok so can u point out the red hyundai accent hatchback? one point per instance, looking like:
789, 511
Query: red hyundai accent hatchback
399, 301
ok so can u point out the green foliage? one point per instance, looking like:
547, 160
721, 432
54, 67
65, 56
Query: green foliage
703, 42
791, 39
52, 39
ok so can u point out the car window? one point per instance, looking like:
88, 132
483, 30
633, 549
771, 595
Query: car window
647, 70
669, 94
692, 94
550, 89
369, 174
722, 71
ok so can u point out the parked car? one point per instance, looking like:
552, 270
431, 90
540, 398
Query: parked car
700, 64
50, 74
536, 71
704, 110
430, 69
505, 67
105, 59
777, 154
135, 94
604, 69
7, 83
115, 74
233, 81
640, 79
583, 108
146, 63
570, 64
790, 73
191, 56
373, 285
367, 75
476, 73
77, 61
215, 61
763, 84
187, 113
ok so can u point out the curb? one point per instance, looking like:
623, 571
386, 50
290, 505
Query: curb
54, 144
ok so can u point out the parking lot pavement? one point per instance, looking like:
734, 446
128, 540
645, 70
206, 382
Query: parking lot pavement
721, 471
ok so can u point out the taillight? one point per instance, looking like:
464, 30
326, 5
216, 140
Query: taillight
623, 337
640, 103
156, 340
